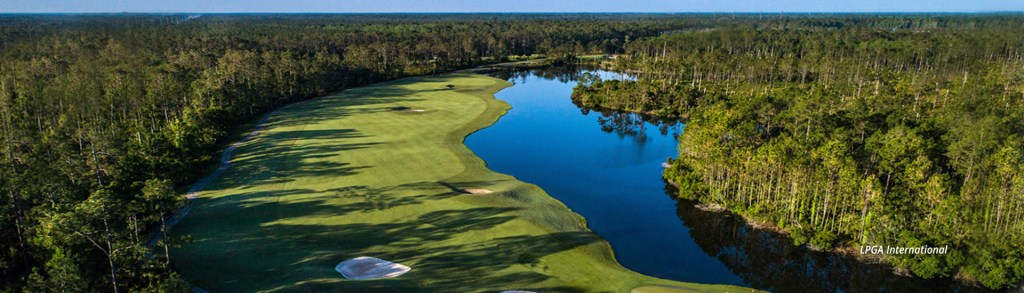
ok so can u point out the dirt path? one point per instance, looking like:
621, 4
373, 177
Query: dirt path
225, 162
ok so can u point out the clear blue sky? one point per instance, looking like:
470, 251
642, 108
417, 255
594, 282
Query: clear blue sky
161, 6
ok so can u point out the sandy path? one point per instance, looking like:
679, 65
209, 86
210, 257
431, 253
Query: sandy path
225, 162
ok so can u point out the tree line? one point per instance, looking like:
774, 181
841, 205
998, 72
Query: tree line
900, 130
104, 118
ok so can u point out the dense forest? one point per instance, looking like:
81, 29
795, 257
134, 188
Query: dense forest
898, 130
105, 118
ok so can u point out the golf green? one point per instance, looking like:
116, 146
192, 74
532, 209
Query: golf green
381, 171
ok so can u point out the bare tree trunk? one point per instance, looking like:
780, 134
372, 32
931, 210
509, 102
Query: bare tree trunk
110, 256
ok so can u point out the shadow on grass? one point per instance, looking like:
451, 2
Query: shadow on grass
265, 252
375, 199
274, 159
252, 241
361, 199
263, 157
364, 100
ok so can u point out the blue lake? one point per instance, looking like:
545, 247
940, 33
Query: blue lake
607, 167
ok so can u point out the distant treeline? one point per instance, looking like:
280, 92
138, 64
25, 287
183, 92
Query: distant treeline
103, 117
895, 130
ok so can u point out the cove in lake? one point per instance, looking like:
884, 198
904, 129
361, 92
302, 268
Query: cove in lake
606, 166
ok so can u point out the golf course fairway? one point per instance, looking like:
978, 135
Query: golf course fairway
381, 171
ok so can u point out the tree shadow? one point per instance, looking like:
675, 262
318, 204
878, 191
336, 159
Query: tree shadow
252, 240
273, 159
455, 186
362, 100
768, 260
263, 254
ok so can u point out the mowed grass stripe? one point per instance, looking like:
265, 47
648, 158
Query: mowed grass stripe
347, 175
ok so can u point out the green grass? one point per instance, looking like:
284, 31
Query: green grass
346, 175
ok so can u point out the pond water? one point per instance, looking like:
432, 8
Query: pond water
606, 166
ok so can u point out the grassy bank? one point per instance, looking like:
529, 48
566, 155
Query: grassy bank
377, 171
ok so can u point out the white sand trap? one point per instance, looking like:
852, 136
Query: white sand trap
369, 268
665, 165
407, 109
477, 191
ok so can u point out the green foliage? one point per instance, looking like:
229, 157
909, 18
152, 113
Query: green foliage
313, 221
686, 179
851, 133
62, 274
103, 117
800, 235
823, 239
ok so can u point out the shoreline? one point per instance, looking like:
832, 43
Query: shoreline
843, 250
488, 120
527, 207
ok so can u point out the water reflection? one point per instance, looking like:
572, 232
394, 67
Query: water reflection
563, 74
769, 261
568, 74
625, 124
606, 166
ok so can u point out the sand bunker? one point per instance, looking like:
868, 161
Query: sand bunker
476, 191
369, 268
666, 165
